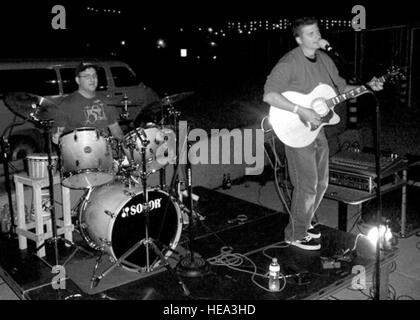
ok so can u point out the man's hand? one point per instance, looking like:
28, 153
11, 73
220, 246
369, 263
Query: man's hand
309, 115
376, 84
56, 135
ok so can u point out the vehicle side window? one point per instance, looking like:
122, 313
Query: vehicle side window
123, 77
70, 85
41, 82
67, 80
102, 81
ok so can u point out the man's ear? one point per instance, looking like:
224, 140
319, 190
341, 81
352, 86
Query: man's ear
77, 80
298, 40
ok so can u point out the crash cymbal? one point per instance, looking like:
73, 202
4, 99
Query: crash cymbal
168, 100
32, 107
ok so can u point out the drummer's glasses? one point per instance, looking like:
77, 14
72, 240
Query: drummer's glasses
89, 76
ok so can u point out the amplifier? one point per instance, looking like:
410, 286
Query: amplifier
358, 171
352, 180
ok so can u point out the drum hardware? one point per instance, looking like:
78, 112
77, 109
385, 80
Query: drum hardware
111, 214
40, 111
125, 103
144, 208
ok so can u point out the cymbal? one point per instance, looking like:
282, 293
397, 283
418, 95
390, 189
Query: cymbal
32, 107
168, 100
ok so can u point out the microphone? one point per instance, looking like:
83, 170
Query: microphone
324, 44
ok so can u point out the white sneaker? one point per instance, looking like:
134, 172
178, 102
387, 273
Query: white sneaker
315, 234
307, 243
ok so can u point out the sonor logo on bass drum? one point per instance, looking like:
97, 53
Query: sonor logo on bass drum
135, 209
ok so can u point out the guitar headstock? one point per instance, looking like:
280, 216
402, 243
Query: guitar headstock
394, 74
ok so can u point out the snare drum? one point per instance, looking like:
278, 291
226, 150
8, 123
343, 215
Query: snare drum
86, 158
38, 165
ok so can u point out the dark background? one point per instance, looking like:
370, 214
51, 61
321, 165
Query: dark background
26, 32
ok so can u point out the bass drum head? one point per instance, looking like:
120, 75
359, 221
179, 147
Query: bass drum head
165, 226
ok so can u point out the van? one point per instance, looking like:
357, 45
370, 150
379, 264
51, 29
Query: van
54, 80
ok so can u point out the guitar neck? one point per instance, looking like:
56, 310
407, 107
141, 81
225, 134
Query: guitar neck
347, 95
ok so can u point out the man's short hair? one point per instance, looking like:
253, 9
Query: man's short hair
83, 66
298, 24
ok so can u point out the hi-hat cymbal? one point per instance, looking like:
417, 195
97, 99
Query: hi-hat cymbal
32, 107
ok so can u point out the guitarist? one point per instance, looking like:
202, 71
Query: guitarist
301, 70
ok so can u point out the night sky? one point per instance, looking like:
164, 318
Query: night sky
26, 31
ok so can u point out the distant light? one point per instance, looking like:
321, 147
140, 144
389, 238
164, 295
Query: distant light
212, 43
214, 57
122, 42
183, 53
161, 43
210, 30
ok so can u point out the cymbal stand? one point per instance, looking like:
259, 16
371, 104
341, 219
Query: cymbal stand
5, 150
125, 114
162, 171
191, 265
147, 241
47, 125
175, 178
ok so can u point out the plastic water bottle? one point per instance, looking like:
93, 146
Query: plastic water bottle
274, 276
228, 181
224, 182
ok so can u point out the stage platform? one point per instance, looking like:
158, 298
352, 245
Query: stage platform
238, 239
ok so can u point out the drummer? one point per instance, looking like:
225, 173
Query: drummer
86, 107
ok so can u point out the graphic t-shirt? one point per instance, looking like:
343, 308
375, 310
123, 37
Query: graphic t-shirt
83, 112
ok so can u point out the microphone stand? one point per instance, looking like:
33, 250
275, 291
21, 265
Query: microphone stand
378, 195
378, 175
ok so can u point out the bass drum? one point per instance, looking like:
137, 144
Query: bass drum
112, 219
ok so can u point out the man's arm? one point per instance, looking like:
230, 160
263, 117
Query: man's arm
56, 135
116, 131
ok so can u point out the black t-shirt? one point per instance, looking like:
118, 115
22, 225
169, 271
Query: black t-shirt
83, 112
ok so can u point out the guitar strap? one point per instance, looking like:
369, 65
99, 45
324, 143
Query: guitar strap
329, 75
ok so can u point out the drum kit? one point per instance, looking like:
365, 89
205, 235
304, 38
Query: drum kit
138, 226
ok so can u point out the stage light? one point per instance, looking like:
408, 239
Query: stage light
384, 235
